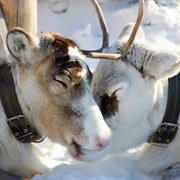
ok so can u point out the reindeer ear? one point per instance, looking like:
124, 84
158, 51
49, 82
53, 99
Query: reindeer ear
162, 65
127, 30
21, 44
120, 90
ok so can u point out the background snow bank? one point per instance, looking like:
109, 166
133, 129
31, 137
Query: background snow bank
162, 27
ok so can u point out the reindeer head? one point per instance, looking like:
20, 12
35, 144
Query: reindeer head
52, 83
131, 90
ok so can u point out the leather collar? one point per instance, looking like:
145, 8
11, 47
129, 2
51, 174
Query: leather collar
18, 123
169, 126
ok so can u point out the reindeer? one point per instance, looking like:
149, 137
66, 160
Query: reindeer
45, 91
133, 92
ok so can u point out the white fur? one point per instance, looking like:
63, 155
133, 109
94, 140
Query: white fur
22, 159
142, 105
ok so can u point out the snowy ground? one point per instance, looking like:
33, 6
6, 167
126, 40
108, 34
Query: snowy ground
162, 27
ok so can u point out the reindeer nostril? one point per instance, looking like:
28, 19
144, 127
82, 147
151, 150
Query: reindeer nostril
101, 142
100, 145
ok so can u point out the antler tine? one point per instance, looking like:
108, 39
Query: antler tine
135, 29
105, 40
130, 41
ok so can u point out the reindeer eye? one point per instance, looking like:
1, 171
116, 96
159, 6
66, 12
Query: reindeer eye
58, 79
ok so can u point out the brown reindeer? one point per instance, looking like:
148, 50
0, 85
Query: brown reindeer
52, 84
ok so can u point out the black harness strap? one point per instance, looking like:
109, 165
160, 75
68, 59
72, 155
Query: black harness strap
18, 123
169, 126
8, 97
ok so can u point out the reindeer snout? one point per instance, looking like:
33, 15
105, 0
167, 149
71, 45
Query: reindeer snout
97, 131
98, 142
102, 142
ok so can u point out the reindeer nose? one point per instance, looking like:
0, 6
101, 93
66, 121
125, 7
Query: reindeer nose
102, 142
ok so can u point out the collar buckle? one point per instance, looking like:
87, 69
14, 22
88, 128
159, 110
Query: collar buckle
164, 135
22, 130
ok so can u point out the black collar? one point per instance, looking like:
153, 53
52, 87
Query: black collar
169, 126
18, 123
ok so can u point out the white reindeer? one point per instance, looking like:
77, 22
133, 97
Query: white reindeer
132, 93
52, 83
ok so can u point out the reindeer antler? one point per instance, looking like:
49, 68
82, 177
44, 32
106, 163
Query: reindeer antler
105, 40
105, 43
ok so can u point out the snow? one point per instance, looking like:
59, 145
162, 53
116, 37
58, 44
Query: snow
79, 23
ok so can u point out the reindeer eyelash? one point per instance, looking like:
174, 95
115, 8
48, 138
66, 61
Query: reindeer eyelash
59, 81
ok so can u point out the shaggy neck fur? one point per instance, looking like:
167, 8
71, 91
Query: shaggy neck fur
27, 160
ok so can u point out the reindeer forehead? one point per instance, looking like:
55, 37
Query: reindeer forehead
61, 46
54, 39
66, 55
